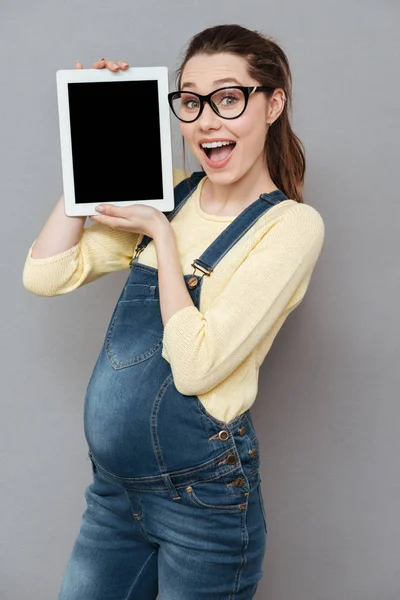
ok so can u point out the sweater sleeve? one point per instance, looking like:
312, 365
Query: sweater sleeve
204, 349
100, 250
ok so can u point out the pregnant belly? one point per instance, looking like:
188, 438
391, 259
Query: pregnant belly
117, 415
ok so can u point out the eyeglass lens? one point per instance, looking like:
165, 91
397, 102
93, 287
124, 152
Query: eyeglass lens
228, 103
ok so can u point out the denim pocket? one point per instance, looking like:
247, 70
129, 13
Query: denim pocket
136, 329
214, 495
139, 291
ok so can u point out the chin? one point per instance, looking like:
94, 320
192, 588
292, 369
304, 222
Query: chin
222, 176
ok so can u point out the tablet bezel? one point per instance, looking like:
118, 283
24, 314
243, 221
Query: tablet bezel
66, 76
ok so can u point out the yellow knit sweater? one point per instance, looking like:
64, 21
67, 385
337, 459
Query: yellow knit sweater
215, 352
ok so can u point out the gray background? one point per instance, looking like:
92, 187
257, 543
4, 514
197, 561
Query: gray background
327, 413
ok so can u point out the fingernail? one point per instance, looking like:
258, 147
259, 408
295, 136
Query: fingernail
115, 66
100, 59
124, 64
99, 208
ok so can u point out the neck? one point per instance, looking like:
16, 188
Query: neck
231, 198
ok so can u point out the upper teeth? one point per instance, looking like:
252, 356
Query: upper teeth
215, 144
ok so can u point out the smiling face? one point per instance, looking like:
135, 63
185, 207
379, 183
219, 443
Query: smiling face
244, 155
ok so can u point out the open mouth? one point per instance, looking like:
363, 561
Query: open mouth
218, 151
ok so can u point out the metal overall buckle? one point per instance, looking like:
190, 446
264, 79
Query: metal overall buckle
139, 248
201, 266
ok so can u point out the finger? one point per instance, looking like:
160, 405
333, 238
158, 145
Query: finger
110, 210
99, 64
115, 66
113, 222
112, 65
78, 65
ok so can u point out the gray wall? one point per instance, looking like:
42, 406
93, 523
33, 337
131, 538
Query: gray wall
328, 407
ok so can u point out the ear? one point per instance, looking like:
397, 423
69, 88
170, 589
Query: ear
276, 105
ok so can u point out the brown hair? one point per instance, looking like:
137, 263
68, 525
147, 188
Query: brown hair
269, 65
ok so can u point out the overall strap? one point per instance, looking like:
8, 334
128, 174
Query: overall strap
235, 230
182, 192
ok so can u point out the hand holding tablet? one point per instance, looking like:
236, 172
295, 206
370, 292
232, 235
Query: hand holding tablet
122, 161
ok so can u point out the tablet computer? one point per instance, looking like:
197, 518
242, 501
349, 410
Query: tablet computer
115, 138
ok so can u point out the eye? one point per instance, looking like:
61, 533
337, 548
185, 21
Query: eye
228, 100
190, 102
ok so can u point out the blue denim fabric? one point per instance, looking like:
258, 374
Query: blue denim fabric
175, 507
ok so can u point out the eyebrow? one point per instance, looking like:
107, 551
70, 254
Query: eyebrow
190, 84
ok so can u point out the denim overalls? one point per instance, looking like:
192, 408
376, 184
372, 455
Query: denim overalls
175, 506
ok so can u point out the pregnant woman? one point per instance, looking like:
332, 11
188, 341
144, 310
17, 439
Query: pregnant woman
175, 507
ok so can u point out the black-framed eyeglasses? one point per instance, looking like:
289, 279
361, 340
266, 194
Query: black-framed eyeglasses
227, 102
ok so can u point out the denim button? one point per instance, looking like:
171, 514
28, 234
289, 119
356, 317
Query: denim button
242, 430
223, 435
239, 482
192, 282
253, 452
231, 459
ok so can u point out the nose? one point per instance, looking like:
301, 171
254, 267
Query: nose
208, 118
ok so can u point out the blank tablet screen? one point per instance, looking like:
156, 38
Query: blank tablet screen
116, 142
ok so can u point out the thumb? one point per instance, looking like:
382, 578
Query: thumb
110, 210
78, 65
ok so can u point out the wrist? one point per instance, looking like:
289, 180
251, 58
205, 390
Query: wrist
162, 229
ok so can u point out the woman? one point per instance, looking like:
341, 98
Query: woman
175, 506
